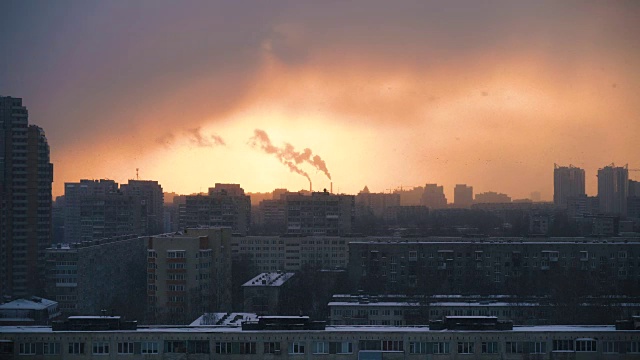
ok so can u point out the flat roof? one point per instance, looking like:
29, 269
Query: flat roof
269, 279
334, 328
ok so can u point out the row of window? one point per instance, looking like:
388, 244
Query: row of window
333, 347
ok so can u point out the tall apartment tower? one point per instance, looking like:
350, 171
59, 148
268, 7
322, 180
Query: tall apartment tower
226, 205
463, 196
151, 204
568, 182
26, 175
433, 197
613, 187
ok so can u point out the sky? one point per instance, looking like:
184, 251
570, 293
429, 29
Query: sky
386, 94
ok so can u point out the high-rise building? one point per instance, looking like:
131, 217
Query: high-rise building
97, 209
376, 203
613, 187
226, 205
26, 174
320, 213
492, 197
188, 274
462, 196
433, 197
568, 182
151, 204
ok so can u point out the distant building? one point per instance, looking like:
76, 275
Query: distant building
320, 213
411, 197
151, 204
375, 203
491, 197
26, 174
264, 293
613, 186
98, 209
633, 200
90, 276
462, 196
433, 197
536, 196
539, 224
568, 182
188, 274
29, 311
226, 205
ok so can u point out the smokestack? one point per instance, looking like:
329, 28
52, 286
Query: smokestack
331, 187
310, 187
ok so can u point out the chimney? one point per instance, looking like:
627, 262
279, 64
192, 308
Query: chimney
310, 187
331, 191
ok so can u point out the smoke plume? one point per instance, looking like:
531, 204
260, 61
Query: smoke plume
288, 154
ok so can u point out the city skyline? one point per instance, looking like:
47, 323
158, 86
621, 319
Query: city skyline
489, 96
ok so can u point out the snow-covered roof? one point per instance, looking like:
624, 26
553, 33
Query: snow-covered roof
334, 328
34, 303
269, 279
224, 319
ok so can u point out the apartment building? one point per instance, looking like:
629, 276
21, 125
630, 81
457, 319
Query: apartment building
292, 253
226, 205
188, 274
296, 338
90, 276
494, 265
264, 293
320, 213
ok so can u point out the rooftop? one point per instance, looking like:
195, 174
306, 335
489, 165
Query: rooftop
33, 303
269, 279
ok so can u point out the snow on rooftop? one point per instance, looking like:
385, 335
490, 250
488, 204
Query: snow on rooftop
33, 303
269, 279
224, 319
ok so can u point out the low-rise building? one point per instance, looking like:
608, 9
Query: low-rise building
30, 311
264, 293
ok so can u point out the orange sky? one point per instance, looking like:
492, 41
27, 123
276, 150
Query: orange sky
387, 95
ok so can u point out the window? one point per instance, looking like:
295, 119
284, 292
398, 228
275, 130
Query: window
27, 349
172, 346
392, 345
633, 347
51, 348
202, 347
465, 347
321, 347
149, 347
101, 348
235, 347
490, 347
610, 347
513, 347
296, 347
537, 347
562, 345
175, 254
272, 348
125, 348
76, 348
585, 345
340, 347
440, 347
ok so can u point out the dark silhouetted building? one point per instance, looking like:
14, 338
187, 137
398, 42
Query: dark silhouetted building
150, 195
568, 182
613, 186
463, 196
433, 197
226, 205
320, 213
26, 174
491, 197
375, 203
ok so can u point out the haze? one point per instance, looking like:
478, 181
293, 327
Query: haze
488, 93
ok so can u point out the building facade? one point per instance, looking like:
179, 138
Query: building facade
188, 274
292, 253
613, 187
264, 293
568, 182
90, 276
463, 196
433, 197
26, 174
151, 204
226, 205
320, 213
589, 266
332, 342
